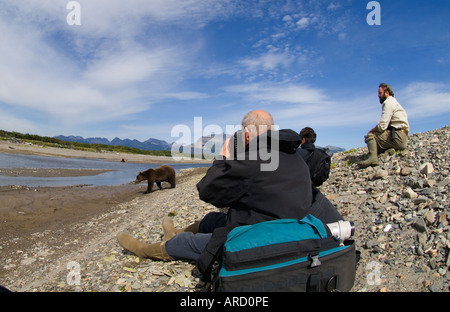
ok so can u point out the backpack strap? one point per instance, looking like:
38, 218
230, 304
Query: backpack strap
316, 224
211, 257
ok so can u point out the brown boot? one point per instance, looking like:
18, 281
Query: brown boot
170, 230
156, 251
192, 228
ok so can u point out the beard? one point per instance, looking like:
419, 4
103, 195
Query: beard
382, 98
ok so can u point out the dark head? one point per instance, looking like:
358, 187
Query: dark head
308, 135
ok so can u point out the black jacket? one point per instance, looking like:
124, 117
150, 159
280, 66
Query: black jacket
254, 195
306, 149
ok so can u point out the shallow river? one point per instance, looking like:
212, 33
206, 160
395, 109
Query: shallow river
123, 172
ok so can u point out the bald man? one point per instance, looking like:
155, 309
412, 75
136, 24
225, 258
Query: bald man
252, 194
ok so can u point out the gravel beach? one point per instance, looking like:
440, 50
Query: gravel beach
41, 239
400, 209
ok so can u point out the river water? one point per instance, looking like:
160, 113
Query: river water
123, 173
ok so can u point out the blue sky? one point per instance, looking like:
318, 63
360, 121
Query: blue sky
136, 69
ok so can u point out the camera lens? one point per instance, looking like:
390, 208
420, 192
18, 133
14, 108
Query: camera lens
342, 230
352, 231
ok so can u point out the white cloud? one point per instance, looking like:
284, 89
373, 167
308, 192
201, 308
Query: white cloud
295, 104
112, 17
287, 18
279, 61
268, 61
303, 22
38, 78
101, 70
10, 122
425, 99
333, 6
129, 67
188, 95
284, 93
300, 104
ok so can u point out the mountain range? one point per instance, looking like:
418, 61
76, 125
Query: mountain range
150, 144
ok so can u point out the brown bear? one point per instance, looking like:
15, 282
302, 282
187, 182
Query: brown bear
158, 175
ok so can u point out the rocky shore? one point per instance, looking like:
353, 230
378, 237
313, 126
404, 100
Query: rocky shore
401, 213
400, 210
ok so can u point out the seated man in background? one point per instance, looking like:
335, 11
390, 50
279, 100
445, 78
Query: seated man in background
391, 132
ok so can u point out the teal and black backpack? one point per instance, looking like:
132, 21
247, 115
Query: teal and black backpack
285, 255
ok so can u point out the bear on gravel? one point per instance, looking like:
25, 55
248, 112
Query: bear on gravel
162, 174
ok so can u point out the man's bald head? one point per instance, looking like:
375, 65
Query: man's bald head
256, 123
259, 119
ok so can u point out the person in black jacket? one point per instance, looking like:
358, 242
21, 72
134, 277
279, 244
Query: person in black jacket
266, 181
317, 159
308, 136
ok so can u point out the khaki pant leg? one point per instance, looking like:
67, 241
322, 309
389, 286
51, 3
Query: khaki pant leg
384, 141
401, 140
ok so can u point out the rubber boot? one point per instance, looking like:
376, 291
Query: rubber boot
156, 251
390, 152
372, 159
170, 230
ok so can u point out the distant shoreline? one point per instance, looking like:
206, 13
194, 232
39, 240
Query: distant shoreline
51, 172
16, 148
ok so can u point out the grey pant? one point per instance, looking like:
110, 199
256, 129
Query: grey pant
187, 245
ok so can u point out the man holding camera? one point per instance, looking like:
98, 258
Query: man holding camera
252, 195
391, 132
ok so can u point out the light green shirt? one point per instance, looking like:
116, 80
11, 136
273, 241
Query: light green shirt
393, 115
